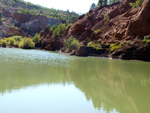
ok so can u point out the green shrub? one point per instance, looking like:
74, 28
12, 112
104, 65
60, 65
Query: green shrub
53, 27
55, 33
122, 44
133, 5
139, 3
11, 41
90, 43
0, 41
49, 26
115, 46
59, 30
26, 43
136, 4
17, 38
17, 43
106, 16
36, 38
69, 41
146, 41
112, 45
96, 46
97, 31
4, 42
74, 44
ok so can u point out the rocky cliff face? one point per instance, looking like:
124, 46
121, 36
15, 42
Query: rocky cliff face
116, 23
124, 23
30, 24
33, 23
49, 43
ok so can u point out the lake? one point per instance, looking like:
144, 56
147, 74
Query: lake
36, 81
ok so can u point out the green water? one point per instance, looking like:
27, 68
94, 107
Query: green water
35, 81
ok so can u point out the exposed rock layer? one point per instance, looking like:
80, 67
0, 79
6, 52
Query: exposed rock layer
122, 25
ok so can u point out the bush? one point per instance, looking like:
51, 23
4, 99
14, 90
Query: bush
0, 41
146, 41
26, 43
4, 42
49, 26
106, 16
36, 38
136, 4
53, 27
97, 31
133, 5
69, 41
115, 46
11, 41
17, 38
90, 43
59, 31
17, 43
74, 45
96, 46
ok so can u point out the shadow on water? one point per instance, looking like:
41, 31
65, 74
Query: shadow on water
123, 85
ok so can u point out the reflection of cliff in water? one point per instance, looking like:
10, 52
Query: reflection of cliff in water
123, 85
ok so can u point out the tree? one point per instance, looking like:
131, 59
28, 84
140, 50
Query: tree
93, 6
105, 2
49, 26
100, 3
139, 3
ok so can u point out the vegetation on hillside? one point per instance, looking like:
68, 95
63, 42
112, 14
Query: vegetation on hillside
72, 43
29, 8
19, 41
138, 3
27, 43
59, 30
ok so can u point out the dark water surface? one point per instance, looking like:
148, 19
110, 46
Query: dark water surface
35, 81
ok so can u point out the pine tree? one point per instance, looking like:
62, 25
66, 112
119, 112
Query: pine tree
100, 3
93, 6
105, 2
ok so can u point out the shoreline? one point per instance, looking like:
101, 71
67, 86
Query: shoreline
68, 53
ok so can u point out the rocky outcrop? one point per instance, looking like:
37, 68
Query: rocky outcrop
12, 31
33, 23
88, 51
124, 23
115, 23
49, 43
95, 19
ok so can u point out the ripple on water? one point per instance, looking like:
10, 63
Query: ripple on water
34, 57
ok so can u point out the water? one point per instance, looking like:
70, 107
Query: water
35, 81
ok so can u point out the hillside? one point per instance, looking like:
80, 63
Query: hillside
28, 19
119, 30
29, 8
115, 31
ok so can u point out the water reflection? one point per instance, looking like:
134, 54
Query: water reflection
111, 85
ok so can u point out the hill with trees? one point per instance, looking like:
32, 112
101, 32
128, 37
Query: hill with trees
29, 8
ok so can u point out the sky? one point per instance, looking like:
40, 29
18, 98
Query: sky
78, 6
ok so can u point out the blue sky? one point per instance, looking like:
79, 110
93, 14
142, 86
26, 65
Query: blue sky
79, 6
